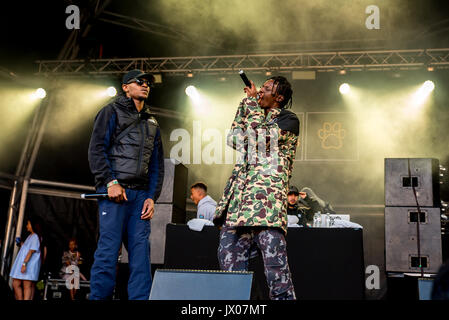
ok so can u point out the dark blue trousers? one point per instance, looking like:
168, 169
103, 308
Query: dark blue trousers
118, 220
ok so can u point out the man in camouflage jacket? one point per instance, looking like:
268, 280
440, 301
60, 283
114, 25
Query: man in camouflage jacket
252, 210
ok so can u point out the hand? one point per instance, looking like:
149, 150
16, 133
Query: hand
148, 209
117, 193
303, 195
24, 269
251, 92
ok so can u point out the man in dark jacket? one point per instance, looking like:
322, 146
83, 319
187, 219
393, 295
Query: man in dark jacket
293, 206
126, 158
304, 204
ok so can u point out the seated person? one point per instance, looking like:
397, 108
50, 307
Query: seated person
71, 257
205, 204
309, 203
293, 207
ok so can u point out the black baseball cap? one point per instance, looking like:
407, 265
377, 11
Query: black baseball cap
293, 189
137, 74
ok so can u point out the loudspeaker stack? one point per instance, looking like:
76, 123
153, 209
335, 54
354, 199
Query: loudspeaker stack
412, 216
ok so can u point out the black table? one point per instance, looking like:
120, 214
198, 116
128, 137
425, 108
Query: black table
326, 263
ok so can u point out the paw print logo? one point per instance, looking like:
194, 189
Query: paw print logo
331, 135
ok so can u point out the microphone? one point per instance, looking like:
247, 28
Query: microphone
245, 78
98, 196
246, 81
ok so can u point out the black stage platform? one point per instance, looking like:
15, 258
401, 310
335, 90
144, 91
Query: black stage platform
326, 263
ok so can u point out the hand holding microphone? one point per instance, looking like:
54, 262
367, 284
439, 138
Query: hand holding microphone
250, 88
115, 192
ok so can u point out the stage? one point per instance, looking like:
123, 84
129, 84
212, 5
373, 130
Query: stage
326, 263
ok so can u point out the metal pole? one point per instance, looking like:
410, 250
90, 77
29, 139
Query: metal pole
61, 184
9, 226
12, 209
23, 200
29, 169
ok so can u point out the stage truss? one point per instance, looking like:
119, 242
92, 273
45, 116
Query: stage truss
380, 60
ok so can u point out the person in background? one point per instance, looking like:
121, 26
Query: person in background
309, 203
293, 206
206, 205
71, 257
25, 270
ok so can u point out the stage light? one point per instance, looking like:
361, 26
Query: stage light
111, 92
428, 86
344, 88
198, 100
268, 73
39, 94
421, 95
342, 72
425, 89
430, 69
192, 92
190, 75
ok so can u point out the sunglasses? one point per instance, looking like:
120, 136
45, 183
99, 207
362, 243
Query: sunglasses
141, 82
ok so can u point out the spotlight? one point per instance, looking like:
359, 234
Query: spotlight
342, 72
420, 96
430, 69
38, 94
41, 93
111, 91
192, 92
268, 73
344, 88
198, 101
428, 86
190, 75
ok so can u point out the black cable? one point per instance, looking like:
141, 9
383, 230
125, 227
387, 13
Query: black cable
418, 238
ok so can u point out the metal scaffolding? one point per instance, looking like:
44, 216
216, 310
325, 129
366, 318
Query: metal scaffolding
279, 62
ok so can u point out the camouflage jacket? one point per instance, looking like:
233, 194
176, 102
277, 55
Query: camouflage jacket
256, 192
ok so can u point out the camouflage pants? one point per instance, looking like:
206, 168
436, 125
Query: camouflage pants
234, 253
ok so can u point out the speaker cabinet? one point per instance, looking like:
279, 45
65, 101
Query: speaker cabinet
164, 213
401, 239
424, 176
169, 208
174, 188
179, 284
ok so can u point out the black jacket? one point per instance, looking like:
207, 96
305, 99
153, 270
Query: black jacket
126, 145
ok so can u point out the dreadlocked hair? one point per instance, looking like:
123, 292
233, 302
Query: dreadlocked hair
283, 88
